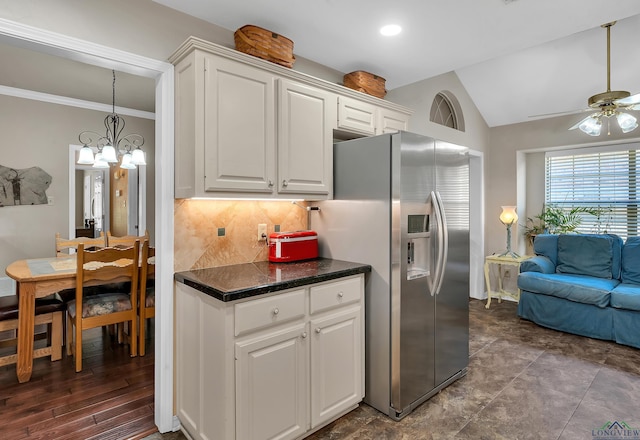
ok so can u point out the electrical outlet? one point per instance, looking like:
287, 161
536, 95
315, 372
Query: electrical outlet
262, 231
50, 200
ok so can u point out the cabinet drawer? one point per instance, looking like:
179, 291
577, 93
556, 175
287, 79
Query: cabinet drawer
335, 294
260, 313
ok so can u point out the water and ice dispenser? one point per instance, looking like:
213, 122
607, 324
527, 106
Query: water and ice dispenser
418, 254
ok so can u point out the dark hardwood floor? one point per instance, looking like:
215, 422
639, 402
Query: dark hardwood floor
111, 398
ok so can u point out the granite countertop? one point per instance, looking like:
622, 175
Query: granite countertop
230, 283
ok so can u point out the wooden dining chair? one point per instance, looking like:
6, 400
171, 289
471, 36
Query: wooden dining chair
106, 265
64, 245
48, 311
125, 240
147, 303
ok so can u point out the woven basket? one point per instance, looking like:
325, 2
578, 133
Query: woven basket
366, 82
262, 43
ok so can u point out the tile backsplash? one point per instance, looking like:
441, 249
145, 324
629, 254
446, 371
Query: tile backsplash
198, 240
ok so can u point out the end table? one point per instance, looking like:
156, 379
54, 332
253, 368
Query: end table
501, 262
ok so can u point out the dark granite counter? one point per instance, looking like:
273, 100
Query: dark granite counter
229, 283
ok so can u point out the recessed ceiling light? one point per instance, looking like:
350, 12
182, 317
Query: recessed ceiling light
390, 30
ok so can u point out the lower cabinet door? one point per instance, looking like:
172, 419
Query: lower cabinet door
271, 385
336, 364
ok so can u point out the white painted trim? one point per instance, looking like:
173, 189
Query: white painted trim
103, 56
476, 225
73, 102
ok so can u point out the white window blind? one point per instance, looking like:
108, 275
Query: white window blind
604, 179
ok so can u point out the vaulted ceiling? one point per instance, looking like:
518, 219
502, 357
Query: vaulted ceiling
516, 58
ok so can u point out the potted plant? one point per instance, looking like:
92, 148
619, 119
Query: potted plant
557, 220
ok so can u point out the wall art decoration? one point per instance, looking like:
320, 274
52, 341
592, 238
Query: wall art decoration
27, 186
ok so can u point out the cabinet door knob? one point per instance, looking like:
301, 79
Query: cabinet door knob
270, 183
304, 335
318, 330
340, 294
285, 183
276, 311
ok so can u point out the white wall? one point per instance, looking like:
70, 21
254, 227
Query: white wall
509, 182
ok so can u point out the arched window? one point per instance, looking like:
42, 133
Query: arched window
445, 110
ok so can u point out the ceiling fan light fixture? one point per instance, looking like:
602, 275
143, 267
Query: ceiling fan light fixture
591, 126
626, 122
610, 103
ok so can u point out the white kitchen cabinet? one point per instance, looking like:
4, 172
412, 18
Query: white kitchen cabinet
337, 365
359, 117
275, 367
306, 119
244, 131
271, 385
356, 116
391, 121
239, 127
248, 128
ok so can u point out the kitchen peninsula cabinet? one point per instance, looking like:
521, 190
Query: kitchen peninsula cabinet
275, 365
247, 128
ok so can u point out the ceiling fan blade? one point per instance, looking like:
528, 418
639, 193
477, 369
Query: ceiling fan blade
581, 121
570, 112
629, 100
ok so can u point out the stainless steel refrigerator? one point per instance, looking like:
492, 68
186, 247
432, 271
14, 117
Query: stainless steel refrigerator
401, 204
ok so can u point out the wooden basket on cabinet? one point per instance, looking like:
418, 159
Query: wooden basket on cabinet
262, 43
366, 82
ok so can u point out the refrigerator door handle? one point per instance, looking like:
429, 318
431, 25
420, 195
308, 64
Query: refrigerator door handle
443, 241
438, 221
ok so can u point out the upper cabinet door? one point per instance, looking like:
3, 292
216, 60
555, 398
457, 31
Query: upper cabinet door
239, 127
356, 116
306, 119
390, 121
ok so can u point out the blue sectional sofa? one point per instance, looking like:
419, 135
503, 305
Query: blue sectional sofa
584, 284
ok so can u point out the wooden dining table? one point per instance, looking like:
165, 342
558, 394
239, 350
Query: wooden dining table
36, 278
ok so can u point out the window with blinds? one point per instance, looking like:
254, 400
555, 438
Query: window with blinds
605, 179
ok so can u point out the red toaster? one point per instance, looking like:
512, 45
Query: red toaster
286, 247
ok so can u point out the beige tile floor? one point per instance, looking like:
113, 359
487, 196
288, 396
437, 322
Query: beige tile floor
524, 382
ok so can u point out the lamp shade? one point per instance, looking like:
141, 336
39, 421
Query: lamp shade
591, 126
109, 154
508, 215
137, 157
626, 122
126, 162
85, 157
100, 162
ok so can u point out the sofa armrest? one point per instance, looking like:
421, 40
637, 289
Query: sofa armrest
539, 263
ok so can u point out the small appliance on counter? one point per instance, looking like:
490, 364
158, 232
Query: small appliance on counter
285, 247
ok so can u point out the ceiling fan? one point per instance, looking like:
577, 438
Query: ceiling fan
610, 103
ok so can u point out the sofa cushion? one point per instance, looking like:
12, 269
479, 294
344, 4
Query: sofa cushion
626, 296
539, 263
585, 255
547, 245
631, 261
577, 288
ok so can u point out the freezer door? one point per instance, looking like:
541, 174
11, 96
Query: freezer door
452, 300
413, 328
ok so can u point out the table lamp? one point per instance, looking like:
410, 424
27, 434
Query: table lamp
508, 217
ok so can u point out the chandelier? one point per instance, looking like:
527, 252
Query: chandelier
610, 103
110, 145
